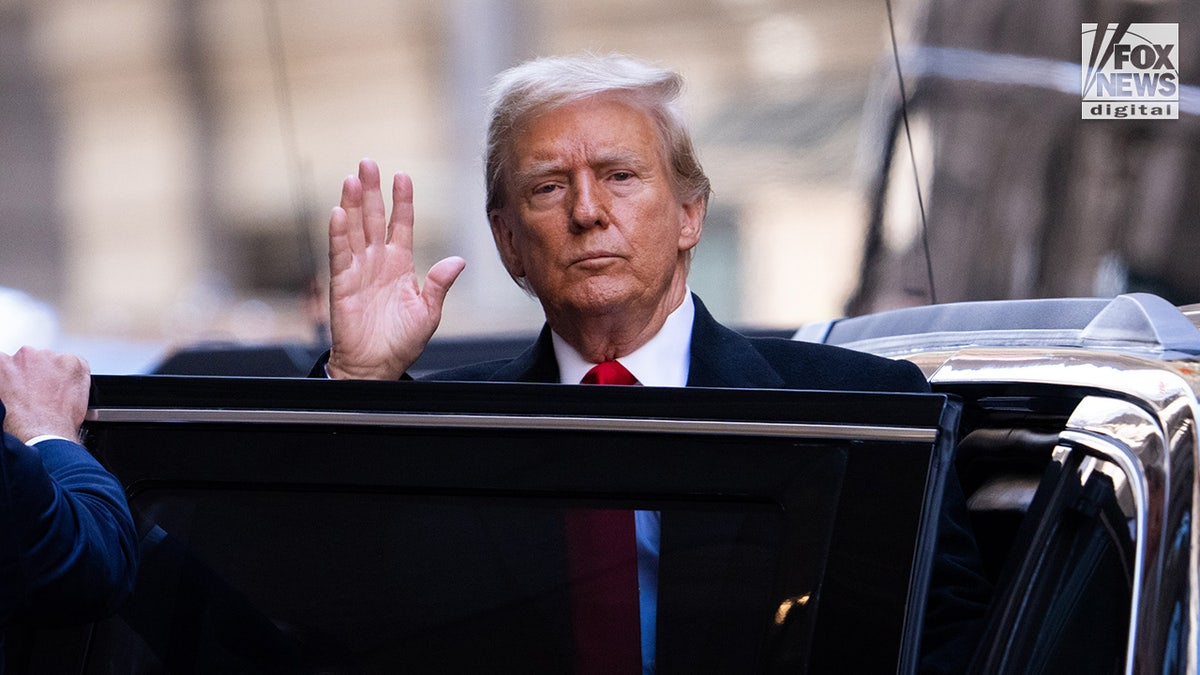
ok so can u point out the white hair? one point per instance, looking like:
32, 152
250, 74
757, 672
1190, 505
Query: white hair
530, 88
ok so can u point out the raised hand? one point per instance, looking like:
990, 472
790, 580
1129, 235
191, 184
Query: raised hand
380, 315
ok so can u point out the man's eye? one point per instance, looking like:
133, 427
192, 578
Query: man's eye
622, 175
544, 189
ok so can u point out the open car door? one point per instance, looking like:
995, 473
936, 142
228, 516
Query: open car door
367, 527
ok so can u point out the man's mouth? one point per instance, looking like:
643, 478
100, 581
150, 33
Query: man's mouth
596, 258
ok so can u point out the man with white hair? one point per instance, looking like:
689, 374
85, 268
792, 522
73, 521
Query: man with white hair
596, 200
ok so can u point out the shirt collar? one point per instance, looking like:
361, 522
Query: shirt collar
661, 362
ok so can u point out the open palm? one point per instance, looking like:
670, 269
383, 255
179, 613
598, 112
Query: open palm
381, 316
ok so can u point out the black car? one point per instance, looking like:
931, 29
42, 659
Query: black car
294, 525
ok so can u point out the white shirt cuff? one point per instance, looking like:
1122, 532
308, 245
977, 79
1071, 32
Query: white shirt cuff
46, 437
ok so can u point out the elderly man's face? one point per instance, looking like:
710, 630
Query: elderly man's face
591, 219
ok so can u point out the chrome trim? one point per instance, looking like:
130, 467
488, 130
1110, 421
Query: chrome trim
1132, 438
540, 422
1154, 381
1148, 407
1123, 456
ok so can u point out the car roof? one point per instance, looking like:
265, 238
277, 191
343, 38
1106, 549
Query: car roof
1137, 323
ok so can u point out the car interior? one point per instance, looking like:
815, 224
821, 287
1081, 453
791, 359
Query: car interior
1056, 540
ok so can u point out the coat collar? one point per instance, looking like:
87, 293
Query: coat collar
724, 358
720, 358
535, 364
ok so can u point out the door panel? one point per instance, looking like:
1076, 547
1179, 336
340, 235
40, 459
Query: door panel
313, 526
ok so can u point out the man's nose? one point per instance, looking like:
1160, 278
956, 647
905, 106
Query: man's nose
589, 206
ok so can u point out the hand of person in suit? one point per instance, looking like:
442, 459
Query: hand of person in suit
45, 393
380, 316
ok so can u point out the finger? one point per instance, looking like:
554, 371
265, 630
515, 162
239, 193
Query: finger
83, 373
341, 253
441, 276
400, 228
374, 213
351, 206
82, 367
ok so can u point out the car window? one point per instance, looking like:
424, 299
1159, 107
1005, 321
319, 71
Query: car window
1065, 599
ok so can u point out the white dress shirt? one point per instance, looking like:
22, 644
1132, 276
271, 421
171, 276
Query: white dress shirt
661, 362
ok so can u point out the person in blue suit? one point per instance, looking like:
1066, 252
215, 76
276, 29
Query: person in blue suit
596, 200
69, 551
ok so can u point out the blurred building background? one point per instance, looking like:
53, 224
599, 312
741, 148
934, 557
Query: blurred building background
167, 167
1022, 197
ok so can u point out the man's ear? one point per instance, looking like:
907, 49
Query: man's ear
692, 223
502, 233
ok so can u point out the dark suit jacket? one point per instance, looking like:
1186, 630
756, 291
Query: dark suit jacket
69, 551
721, 357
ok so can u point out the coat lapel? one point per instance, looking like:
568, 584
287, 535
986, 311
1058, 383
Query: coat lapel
719, 358
535, 364
723, 358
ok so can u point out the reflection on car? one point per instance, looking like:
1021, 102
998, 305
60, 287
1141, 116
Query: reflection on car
1078, 448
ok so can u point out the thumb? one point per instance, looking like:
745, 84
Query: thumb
439, 279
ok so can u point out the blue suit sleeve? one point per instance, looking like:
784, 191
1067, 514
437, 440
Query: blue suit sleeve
70, 549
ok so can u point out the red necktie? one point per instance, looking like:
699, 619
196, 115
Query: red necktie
602, 558
609, 372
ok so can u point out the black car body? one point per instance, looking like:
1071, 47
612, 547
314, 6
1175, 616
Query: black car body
294, 525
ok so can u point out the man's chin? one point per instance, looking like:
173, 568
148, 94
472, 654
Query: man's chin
595, 296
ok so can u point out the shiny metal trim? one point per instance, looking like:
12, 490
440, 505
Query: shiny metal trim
540, 422
1122, 456
1155, 382
1152, 408
1147, 450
